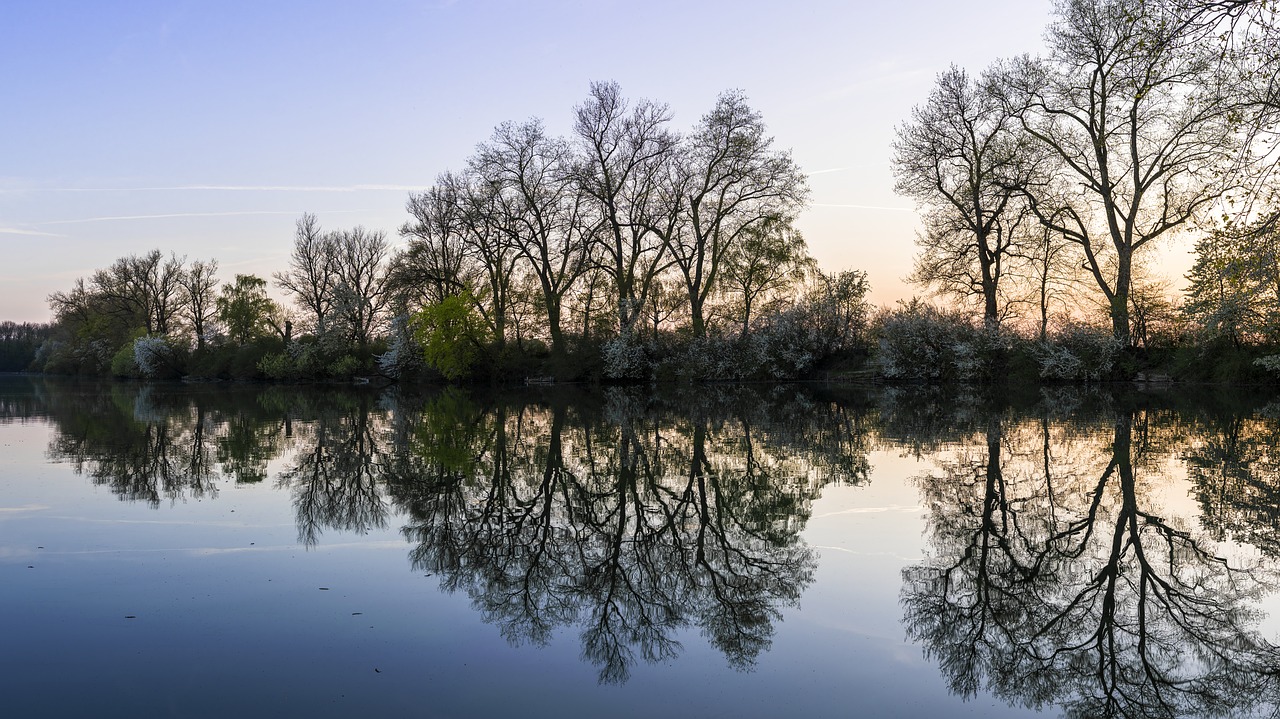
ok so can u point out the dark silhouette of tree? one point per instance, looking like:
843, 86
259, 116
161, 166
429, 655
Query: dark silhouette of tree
199, 302
728, 180
625, 152
312, 273
539, 211
962, 158
1142, 122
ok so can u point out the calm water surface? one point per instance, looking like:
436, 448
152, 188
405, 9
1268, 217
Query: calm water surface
173, 550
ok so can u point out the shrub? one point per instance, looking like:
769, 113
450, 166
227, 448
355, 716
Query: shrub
922, 342
123, 363
158, 357
1079, 352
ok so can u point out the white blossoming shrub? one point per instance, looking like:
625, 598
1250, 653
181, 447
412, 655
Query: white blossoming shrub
922, 342
1270, 363
1078, 352
625, 358
787, 347
155, 356
404, 356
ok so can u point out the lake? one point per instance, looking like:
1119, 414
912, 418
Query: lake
217, 550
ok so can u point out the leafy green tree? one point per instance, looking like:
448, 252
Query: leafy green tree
449, 333
247, 312
1234, 285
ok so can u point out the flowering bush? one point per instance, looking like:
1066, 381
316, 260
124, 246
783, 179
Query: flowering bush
922, 342
1078, 352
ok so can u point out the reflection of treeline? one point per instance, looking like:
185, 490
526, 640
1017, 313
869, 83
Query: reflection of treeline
628, 525
628, 518
1060, 572
1059, 568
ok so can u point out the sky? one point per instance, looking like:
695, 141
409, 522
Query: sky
207, 129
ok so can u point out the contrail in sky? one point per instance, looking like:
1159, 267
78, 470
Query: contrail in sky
194, 214
30, 233
230, 188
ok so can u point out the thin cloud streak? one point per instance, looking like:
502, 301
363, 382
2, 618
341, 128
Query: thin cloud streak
229, 188
828, 170
26, 233
115, 218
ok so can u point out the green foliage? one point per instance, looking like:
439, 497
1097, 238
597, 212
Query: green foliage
449, 333
123, 364
1234, 285
345, 367
278, 366
245, 309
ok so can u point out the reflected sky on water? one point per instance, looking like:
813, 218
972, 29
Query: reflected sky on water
203, 550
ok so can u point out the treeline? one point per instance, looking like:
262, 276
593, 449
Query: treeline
633, 250
19, 342
1045, 182
628, 251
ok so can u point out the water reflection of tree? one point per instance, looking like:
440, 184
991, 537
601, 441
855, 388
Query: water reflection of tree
143, 444
1234, 464
335, 474
1060, 581
626, 522
629, 517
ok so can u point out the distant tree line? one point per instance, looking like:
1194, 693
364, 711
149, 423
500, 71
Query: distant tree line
19, 342
628, 251
632, 250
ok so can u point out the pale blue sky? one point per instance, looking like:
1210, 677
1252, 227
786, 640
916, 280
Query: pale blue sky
207, 128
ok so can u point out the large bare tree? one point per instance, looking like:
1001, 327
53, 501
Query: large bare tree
1141, 119
538, 208
961, 158
312, 273
624, 151
728, 180
198, 298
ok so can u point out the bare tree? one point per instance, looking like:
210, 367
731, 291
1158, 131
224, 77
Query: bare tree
537, 207
1138, 115
624, 152
312, 272
728, 179
961, 159
436, 263
198, 298
359, 294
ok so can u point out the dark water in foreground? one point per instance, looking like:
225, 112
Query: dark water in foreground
761, 552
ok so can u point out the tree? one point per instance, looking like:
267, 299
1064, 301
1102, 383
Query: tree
448, 333
623, 153
247, 312
538, 209
1140, 120
727, 180
198, 299
961, 158
1234, 286
457, 244
768, 258
312, 273
359, 288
